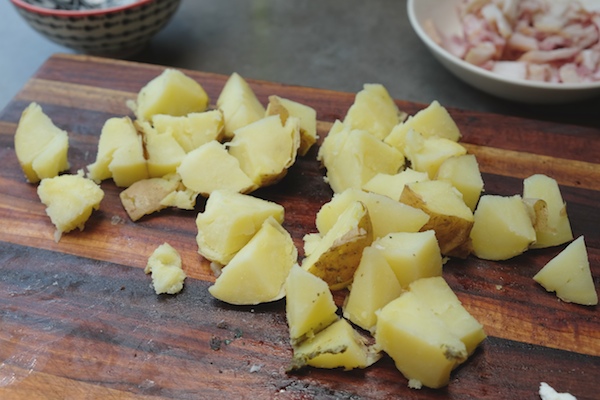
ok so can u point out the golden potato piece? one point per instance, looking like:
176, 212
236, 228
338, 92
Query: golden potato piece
337, 346
569, 275
172, 93
373, 111
229, 221
374, 285
145, 197
434, 120
239, 104
266, 149
210, 167
449, 216
502, 228
424, 350
257, 273
338, 254
69, 200
557, 229
307, 115
192, 130
387, 215
309, 306
353, 157
165, 266
41, 146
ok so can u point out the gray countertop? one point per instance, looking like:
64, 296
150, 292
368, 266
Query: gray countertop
328, 44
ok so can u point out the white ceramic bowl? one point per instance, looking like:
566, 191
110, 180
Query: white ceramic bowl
444, 15
115, 31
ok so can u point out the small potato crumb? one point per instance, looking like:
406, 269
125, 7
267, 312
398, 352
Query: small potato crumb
165, 266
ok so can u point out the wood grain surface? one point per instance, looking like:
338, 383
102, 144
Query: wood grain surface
78, 319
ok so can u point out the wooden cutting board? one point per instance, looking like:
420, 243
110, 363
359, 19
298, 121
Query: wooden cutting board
79, 320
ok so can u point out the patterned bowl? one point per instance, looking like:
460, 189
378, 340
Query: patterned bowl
112, 31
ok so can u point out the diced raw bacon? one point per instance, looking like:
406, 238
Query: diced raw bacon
511, 69
546, 56
540, 40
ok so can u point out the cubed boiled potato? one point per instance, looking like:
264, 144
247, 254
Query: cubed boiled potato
411, 255
172, 93
557, 229
182, 198
449, 216
441, 299
373, 111
393, 185
192, 130
163, 152
337, 255
423, 348
70, 201
569, 275
426, 154
337, 346
210, 167
434, 120
41, 146
309, 305
462, 171
266, 148
387, 215
538, 213
374, 285
229, 221
502, 228
120, 154
257, 273
358, 158
145, 197
165, 266
239, 104
305, 114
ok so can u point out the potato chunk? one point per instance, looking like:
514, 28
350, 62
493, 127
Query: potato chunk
239, 104
257, 273
305, 114
192, 130
440, 298
309, 305
210, 167
41, 146
427, 154
429, 122
337, 346
171, 93
163, 152
229, 221
165, 266
373, 111
411, 255
463, 173
120, 154
386, 215
393, 185
266, 149
569, 275
145, 197
502, 228
449, 216
557, 229
337, 255
353, 157
374, 285
419, 342
69, 200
